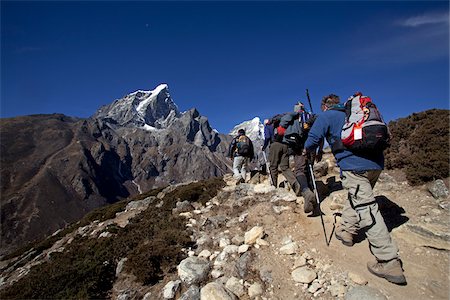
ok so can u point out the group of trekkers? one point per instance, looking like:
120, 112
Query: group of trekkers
359, 155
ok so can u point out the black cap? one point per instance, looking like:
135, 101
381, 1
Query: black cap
241, 131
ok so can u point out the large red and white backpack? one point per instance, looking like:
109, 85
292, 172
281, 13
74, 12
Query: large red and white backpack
364, 129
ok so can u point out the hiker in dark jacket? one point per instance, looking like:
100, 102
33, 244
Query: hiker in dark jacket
359, 173
279, 156
300, 167
241, 150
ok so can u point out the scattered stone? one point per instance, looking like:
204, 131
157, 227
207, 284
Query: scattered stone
242, 264
237, 240
120, 265
279, 209
283, 195
263, 189
187, 215
364, 292
215, 291
105, 234
438, 189
303, 275
224, 242
338, 290
203, 240
170, 289
289, 249
255, 290
357, 278
192, 293
148, 296
299, 262
243, 248
216, 273
193, 270
230, 249
235, 286
191, 253
253, 234
205, 253
261, 242
266, 274
315, 286
242, 217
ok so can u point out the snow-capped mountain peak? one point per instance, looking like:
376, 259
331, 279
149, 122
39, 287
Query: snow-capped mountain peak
153, 108
254, 129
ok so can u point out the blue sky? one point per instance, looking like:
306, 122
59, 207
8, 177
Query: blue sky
230, 60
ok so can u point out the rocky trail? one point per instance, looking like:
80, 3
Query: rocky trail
253, 241
260, 244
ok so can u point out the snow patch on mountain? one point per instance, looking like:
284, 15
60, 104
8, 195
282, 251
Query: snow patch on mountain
254, 129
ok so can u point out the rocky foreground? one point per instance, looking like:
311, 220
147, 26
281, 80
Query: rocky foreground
253, 241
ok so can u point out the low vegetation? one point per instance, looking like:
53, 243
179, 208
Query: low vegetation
420, 146
152, 242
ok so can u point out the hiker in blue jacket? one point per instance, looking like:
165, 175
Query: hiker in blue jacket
359, 173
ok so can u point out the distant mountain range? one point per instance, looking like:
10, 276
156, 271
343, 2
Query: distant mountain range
55, 168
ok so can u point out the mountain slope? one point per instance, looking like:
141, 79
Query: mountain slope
55, 168
244, 241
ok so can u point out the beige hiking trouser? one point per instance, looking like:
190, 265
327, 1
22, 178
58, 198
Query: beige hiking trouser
361, 212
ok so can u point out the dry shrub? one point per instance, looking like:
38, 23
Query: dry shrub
152, 241
420, 146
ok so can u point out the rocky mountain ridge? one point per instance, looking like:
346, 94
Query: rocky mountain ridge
253, 241
56, 168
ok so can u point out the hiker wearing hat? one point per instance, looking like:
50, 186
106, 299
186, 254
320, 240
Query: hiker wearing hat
241, 150
359, 173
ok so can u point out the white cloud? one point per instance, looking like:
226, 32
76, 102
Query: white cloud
425, 19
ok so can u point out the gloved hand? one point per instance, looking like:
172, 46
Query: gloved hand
263, 148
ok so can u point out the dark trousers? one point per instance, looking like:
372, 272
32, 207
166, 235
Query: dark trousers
279, 158
301, 170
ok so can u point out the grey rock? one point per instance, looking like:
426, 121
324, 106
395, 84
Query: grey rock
243, 263
364, 292
182, 206
192, 293
438, 189
255, 290
170, 289
215, 291
338, 290
289, 249
265, 273
233, 284
193, 270
303, 275
120, 265
238, 240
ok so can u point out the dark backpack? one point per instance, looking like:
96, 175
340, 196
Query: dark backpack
243, 145
364, 129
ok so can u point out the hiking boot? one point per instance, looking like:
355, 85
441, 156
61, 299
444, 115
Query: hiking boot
390, 270
297, 189
309, 201
344, 236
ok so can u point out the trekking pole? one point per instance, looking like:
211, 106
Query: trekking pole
318, 201
267, 168
309, 100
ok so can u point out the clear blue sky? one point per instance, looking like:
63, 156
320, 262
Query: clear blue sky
230, 60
